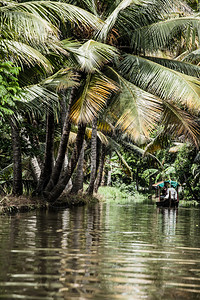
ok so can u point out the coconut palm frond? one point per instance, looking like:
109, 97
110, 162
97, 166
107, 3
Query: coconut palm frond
124, 164
23, 54
71, 45
161, 141
105, 126
137, 111
111, 20
92, 100
63, 79
36, 98
192, 57
155, 36
54, 12
162, 81
93, 55
141, 152
24, 24
179, 66
179, 122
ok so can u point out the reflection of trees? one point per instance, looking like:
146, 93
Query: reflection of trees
80, 260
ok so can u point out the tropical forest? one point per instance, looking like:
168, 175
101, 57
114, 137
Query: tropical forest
99, 113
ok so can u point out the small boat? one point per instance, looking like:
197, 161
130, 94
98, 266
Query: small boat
171, 198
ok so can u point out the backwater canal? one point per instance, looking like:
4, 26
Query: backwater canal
108, 251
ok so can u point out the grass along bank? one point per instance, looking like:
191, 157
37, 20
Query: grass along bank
115, 194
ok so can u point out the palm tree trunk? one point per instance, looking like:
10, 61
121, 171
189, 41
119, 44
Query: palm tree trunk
64, 179
17, 159
49, 154
62, 148
93, 157
101, 167
78, 180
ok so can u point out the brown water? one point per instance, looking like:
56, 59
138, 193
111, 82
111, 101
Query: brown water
109, 252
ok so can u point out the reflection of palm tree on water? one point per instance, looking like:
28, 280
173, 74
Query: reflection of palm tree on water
169, 220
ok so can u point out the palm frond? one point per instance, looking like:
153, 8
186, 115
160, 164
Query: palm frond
155, 36
192, 57
111, 20
93, 55
124, 164
136, 110
54, 12
22, 24
161, 81
179, 122
92, 100
141, 152
63, 79
179, 66
23, 54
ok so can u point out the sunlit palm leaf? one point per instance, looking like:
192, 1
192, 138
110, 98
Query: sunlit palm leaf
185, 68
156, 36
93, 99
63, 79
54, 12
22, 54
93, 55
161, 81
178, 122
25, 25
138, 111
111, 20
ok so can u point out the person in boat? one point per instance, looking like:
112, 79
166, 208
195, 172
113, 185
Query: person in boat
164, 191
173, 193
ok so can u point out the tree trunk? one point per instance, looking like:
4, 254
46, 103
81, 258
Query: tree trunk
17, 159
62, 148
93, 157
78, 180
101, 167
49, 154
64, 179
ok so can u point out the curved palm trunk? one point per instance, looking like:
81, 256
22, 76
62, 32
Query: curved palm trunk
93, 157
101, 167
64, 179
17, 159
49, 156
62, 148
78, 180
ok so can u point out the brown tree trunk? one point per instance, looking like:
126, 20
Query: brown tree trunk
101, 167
62, 148
64, 179
78, 180
90, 188
49, 154
17, 159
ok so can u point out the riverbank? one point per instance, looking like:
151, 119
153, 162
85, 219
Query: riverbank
11, 204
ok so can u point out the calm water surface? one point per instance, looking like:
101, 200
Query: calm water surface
109, 251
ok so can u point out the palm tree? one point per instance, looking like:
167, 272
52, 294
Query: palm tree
153, 90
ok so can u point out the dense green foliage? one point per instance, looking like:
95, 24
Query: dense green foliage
101, 103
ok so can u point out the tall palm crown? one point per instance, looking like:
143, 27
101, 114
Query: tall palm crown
151, 85
155, 86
